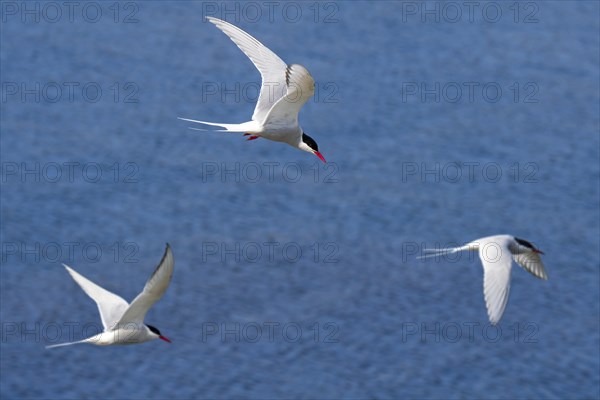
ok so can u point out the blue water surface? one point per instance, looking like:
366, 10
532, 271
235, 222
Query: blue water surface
295, 279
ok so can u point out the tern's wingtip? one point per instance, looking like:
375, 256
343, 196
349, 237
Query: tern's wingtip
494, 319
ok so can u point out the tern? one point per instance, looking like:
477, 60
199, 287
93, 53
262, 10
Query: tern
496, 254
124, 323
276, 114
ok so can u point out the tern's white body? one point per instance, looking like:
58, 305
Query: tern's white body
285, 89
132, 334
497, 254
124, 323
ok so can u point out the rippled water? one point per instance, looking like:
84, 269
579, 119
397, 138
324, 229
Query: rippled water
294, 279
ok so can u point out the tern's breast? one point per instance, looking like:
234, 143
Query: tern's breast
121, 336
282, 134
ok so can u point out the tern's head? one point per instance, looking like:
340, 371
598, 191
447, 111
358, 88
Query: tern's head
157, 333
528, 245
309, 144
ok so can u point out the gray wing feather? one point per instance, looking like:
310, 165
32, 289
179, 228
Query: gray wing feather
154, 289
532, 263
110, 306
272, 68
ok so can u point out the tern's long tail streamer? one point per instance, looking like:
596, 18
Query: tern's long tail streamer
250, 126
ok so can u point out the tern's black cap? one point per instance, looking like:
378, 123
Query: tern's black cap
310, 142
153, 329
524, 242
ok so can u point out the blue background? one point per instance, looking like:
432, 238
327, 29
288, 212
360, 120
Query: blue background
388, 325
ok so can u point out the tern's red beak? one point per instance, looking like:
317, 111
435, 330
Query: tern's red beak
320, 156
165, 338
538, 251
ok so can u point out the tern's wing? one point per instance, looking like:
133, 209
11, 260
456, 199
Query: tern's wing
300, 88
532, 263
110, 305
272, 68
497, 262
153, 291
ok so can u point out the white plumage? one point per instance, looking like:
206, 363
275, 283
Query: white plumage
496, 254
284, 90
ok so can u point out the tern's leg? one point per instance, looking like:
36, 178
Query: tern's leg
252, 137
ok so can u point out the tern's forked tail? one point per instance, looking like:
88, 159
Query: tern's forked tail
66, 344
445, 251
435, 253
250, 126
